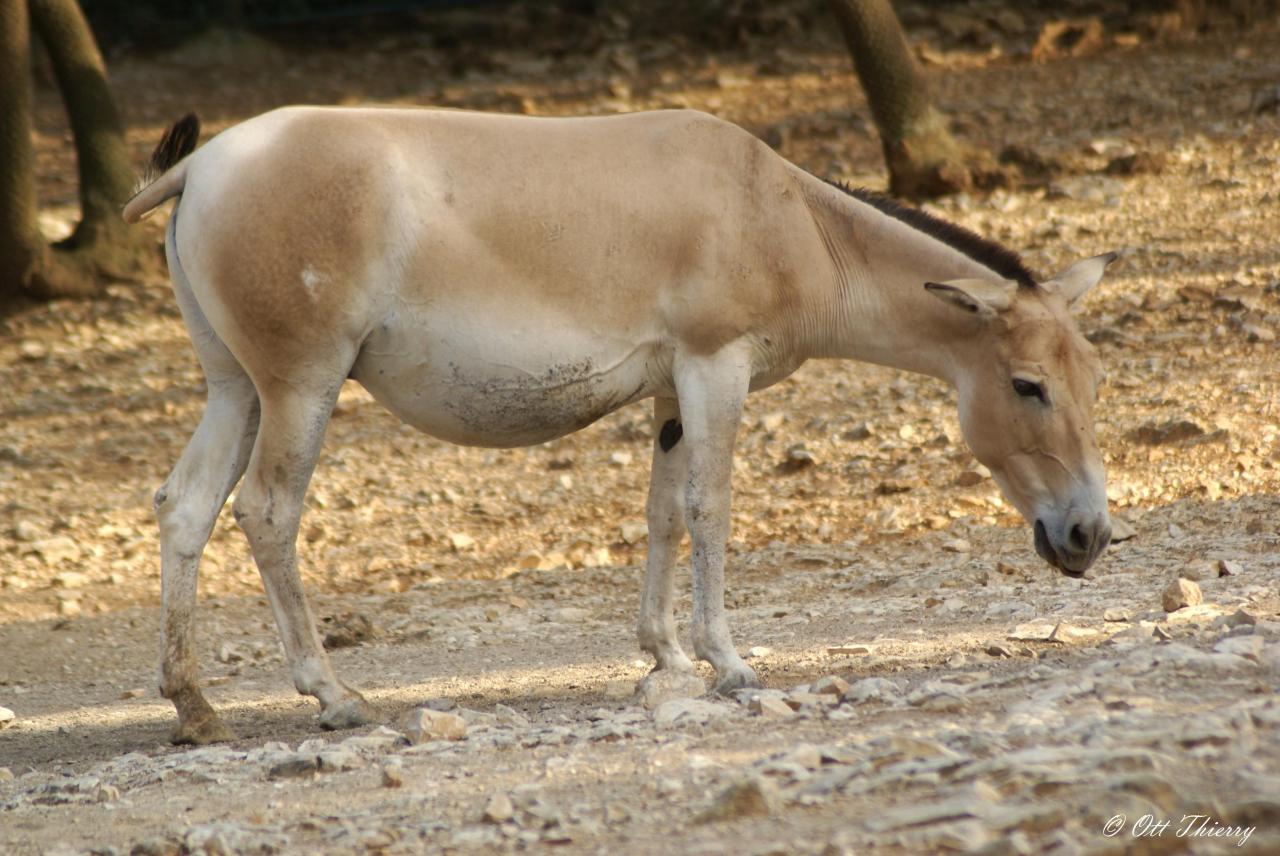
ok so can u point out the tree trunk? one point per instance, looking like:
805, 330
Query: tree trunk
101, 246
922, 157
20, 244
106, 177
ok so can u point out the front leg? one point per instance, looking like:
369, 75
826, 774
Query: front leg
712, 390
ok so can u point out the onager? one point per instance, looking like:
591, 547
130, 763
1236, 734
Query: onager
501, 281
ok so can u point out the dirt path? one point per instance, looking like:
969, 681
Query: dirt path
965, 727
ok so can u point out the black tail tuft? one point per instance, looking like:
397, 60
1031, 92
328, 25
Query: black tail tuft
178, 142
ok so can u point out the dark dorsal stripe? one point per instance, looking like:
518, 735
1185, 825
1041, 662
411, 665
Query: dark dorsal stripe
1002, 260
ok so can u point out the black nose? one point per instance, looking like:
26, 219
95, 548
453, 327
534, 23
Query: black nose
1089, 538
1080, 542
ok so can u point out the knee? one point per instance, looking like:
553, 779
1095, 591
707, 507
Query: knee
166, 504
664, 524
252, 510
253, 516
177, 519
697, 507
265, 524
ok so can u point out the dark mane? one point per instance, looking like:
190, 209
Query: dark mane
1002, 260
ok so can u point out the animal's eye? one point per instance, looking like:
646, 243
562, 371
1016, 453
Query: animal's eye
1028, 388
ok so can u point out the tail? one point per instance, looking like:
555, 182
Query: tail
164, 180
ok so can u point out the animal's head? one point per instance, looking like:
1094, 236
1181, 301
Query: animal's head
1027, 382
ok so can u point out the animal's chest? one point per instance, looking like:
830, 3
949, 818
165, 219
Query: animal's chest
472, 383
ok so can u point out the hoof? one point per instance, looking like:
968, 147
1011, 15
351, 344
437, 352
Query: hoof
201, 732
351, 712
736, 679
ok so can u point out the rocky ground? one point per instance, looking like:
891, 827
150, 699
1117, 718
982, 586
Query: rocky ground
932, 686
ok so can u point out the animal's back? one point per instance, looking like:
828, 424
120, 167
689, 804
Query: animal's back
548, 204
482, 258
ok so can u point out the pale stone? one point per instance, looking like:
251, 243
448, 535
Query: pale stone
872, 689
56, 550
1239, 618
619, 689
1249, 647
1065, 632
805, 755
1035, 631
499, 808
1228, 568
422, 725
768, 706
570, 615
687, 711
31, 350
1179, 594
1121, 530
919, 813
1198, 569
830, 685
461, 542
803, 700
333, 760
667, 684
71, 580
772, 421
295, 767
229, 652
848, 650
753, 797
392, 776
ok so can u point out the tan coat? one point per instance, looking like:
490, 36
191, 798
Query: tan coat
502, 280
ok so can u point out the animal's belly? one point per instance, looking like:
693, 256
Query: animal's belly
482, 390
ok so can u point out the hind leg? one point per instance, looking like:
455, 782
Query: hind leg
187, 507
269, 510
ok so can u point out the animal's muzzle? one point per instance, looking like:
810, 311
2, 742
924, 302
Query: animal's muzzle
1081, 542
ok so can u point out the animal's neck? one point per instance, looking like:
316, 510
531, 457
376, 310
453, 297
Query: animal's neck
875, 307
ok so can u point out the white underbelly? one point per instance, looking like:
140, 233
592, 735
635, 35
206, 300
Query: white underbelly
469, 385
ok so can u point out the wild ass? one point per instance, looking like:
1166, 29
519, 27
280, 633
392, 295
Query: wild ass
500, 281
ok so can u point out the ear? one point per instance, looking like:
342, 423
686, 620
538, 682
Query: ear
977, 296
1073, 282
